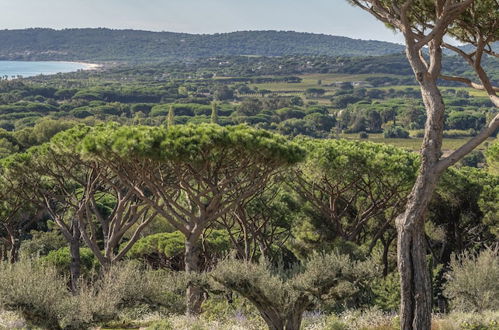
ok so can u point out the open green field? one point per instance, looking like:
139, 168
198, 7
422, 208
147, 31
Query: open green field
311, 81
471, 91
413, 143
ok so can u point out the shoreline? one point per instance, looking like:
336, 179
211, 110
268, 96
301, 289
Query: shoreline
71, 67
88, 66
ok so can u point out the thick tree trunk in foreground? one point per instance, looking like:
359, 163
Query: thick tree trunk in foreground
191, 259
415, 311
415, 308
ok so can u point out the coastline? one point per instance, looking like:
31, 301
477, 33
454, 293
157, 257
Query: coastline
47, 68
88, 66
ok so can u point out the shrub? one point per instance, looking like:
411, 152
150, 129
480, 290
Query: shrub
127, 285
38, 293
61, 259
372, 318
363, 135
396, 132
282, 296
468, 321
473, 281
166, 249
161, 325
387, 292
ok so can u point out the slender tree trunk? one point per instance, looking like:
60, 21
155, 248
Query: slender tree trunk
415, 309
191, 259
386, 251
14, 250
14, 244
3, 253
74, 251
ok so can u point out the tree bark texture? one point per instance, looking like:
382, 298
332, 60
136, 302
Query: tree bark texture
74, 251
415, 308
191, 259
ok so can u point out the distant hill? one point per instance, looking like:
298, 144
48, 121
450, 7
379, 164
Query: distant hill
106, 44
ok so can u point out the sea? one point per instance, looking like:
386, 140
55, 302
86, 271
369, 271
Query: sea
13, 69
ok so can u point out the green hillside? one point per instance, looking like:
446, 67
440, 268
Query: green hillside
106, 44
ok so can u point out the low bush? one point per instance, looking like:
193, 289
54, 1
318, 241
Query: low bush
395, 132
282, 296
473, 281
41, 295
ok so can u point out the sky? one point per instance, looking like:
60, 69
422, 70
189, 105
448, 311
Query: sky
334, 17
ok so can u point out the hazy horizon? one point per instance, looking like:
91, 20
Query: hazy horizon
193, 33
331, 17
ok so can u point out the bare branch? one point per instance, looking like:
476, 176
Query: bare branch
462, 151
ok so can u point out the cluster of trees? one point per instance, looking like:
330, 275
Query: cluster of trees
352, 109
182, 197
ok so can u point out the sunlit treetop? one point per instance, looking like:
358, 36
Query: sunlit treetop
352, 158
190, 143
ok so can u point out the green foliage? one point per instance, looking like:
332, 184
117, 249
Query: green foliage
282, 296
161, 325
373, 178
386, 292
492, 155
105, 44
61, 259
41, 243
41, 295
396, 132
167, 246
214, 113
191, 143
472, 283
128, 285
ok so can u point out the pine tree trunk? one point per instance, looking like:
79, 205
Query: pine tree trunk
415, 309
74, 251
14, 250
75, 265
14, 244
191, 259
3, 253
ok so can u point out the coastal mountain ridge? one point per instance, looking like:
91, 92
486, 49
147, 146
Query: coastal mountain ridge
101, 44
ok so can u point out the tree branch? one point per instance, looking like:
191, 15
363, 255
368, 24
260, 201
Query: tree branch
462, 151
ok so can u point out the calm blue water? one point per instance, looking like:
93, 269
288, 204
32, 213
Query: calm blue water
29, 69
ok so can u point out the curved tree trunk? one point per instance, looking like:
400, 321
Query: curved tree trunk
415, 308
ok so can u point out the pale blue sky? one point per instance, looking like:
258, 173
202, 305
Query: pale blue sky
334, 17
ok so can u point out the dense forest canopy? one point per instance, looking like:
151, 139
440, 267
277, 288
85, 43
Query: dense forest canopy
105, 44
